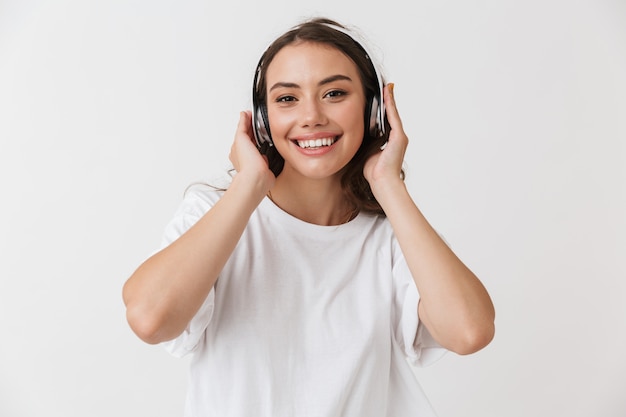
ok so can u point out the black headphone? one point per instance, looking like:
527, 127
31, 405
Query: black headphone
375, 108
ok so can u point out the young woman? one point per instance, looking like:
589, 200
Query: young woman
304, 287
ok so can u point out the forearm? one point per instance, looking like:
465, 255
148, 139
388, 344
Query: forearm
454, 304
167, 290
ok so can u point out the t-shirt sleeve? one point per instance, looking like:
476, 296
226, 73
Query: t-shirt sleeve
413, 337
193, 207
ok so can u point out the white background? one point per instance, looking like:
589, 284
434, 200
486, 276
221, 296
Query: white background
516, 111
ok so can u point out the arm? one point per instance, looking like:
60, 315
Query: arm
454, 305
165, 292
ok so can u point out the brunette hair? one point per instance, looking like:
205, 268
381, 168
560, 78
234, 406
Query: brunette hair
320, 30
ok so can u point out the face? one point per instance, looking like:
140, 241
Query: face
315, 105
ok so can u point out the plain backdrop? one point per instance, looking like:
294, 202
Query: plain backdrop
516, 112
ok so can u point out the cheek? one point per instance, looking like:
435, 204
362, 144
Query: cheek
353, 122
279, 122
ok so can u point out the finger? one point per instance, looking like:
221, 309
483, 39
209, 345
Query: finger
390, 107
244, 123
247, 127
240, 134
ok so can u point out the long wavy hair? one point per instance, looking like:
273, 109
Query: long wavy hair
319, 30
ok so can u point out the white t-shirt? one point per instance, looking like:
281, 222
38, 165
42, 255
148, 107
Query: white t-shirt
305, 320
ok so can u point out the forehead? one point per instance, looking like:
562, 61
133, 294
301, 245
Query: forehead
310, 59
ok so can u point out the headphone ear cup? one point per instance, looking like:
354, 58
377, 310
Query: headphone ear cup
261, 127
375, 123
266, 125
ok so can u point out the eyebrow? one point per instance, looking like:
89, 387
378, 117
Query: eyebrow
326, 80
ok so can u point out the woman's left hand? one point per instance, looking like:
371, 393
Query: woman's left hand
386, 165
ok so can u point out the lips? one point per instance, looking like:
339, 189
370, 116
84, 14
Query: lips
316, 143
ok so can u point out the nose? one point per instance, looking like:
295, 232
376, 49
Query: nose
312, 113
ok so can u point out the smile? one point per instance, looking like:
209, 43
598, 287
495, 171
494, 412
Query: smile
316, 143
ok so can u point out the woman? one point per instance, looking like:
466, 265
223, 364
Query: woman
303, 288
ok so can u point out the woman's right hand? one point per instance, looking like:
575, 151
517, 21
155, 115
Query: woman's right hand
246, 158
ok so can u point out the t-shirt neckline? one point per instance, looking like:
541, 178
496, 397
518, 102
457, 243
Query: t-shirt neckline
274, 211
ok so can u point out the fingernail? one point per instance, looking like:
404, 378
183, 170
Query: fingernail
391, 85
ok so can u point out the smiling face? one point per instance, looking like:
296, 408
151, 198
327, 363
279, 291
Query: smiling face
315, 106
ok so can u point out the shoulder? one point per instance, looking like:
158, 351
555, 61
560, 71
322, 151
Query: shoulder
378, 224
380, 233
196, 202
198, 199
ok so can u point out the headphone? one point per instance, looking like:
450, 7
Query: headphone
375, 108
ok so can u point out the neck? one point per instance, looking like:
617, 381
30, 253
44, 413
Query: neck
314, 201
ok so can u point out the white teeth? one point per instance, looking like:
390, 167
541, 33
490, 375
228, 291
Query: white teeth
316, 143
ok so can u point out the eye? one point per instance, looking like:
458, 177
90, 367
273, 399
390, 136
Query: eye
285, 99
335, 94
